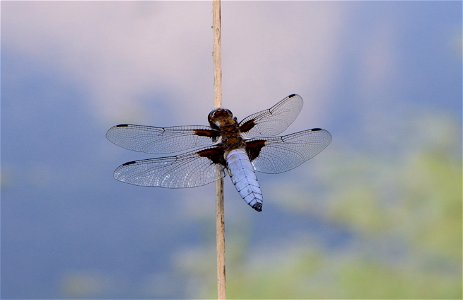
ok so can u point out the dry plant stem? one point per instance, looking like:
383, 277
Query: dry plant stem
219, 218
220, 240
217, 56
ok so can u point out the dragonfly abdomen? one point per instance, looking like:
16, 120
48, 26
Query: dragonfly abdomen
243, 177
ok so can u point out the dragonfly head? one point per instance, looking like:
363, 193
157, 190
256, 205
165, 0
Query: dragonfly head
220, 117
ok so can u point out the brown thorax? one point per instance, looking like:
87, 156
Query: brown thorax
223, 120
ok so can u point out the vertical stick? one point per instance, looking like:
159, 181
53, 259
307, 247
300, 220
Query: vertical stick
220, 240
217, 56
219, 217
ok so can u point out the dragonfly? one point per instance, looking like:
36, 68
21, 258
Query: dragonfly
196, 155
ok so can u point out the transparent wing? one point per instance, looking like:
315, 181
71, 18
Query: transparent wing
183, 171
283, 153
161, 140
274, 120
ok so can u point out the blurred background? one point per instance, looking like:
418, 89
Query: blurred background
376, 215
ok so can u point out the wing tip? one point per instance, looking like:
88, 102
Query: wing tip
296, 98
111, 131
326, 132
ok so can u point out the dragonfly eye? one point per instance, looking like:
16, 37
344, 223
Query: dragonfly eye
217, 116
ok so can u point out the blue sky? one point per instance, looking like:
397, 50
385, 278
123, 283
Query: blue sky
371, 73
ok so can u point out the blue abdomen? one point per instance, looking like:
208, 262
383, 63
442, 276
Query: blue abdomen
244, 178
